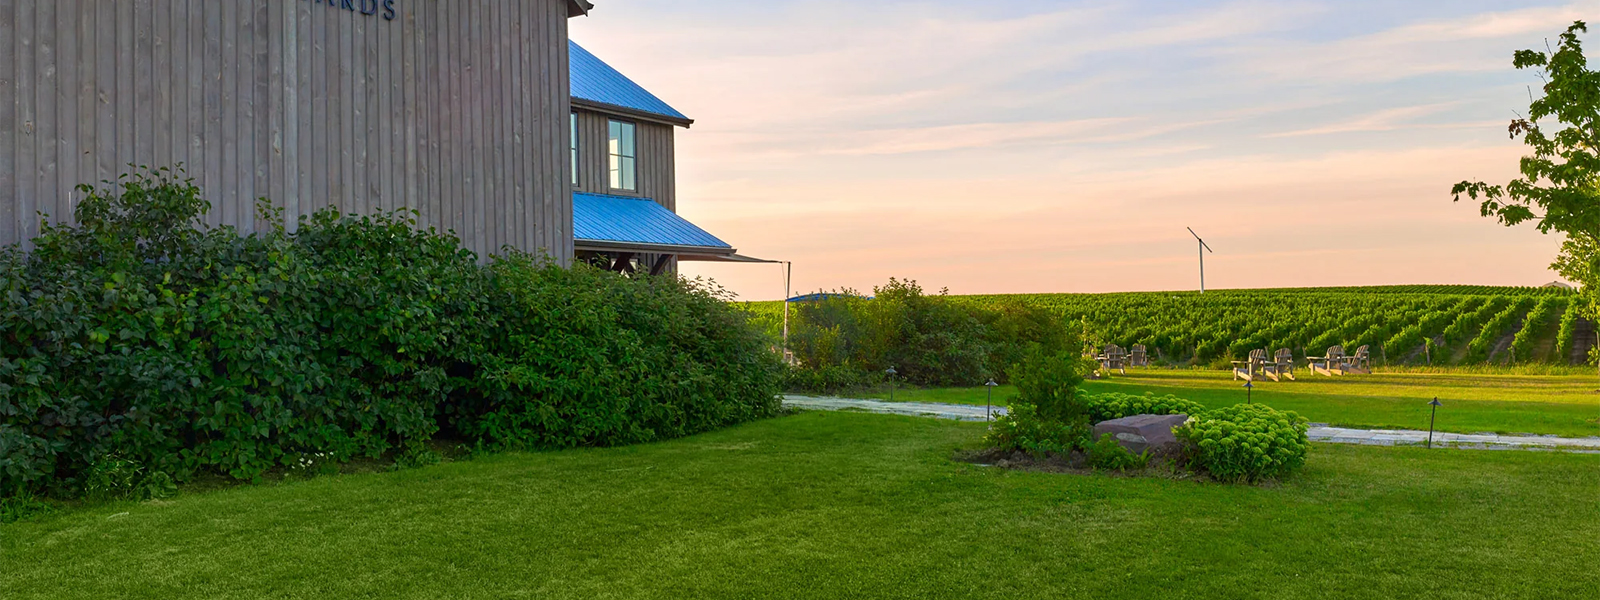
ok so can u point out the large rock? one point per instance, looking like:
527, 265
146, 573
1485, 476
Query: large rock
1142, 432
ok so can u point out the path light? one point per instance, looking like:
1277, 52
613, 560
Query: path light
1435, 404
989, 401
891, 372
1247, 388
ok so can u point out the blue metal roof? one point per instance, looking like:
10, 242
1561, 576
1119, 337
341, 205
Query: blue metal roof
820, 296
627, 220
596, 81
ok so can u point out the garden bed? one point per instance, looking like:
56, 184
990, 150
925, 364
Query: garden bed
1162, 465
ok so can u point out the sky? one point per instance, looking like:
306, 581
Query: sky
1033, 146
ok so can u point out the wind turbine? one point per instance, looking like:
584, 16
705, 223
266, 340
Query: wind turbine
1203, 250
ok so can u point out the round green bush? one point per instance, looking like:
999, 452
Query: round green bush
1246, 442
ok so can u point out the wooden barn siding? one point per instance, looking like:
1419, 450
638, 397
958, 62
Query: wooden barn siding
657, 178
458, 109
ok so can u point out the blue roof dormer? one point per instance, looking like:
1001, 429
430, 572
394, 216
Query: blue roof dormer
596, 84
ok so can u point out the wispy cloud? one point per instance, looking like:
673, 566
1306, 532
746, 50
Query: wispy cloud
1057, 146
1389, 119
1461, 44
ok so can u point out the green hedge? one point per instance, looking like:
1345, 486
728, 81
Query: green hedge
140, 341
845, 340
1116, 405
586, 357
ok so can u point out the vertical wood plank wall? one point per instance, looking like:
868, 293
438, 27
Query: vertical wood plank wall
656, 179
457, 108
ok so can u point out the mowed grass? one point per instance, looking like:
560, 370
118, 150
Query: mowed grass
1566, 405
840, 505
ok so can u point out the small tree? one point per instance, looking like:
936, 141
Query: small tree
1047, 415
1559, 189
1048, 381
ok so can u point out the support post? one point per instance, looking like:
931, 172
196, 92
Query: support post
788, 276
623, 263
661, 264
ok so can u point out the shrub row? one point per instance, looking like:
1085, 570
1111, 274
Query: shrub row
139, 346
1496, 327
845, 340
1116, 405
1535, 324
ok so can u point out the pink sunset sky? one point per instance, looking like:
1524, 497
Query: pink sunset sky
1064, 146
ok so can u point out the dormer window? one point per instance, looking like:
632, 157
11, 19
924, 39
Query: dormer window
623, 156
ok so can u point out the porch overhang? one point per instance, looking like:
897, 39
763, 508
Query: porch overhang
624, 224
733, 258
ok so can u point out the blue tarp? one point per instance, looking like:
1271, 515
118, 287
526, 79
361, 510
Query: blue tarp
596, 81
629, 220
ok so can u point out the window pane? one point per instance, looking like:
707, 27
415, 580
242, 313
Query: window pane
574, 122
620, 147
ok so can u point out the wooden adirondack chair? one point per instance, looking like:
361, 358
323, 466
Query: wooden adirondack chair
1114, 359
1250, 368
1282, 365
1330, 364
1137, 357
1360, 362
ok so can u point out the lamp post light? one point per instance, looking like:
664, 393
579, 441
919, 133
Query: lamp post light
1247, 388
1431, 416
989, 402
891, 373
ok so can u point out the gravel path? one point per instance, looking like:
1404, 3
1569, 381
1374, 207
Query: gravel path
1319, 432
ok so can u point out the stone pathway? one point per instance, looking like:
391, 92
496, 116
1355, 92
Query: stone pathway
1319, 432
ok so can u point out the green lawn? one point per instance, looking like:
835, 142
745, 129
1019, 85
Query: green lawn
839, 505
1549, 404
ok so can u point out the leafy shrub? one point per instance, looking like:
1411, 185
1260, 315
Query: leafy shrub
416, 457
929, 339
1012, 327
139, 347
1115, 405
115, 478
18, 508
1047, 415
139, 333
1246, 442
1106, 453
591, 358
314, 464
1021, 428
831, 379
